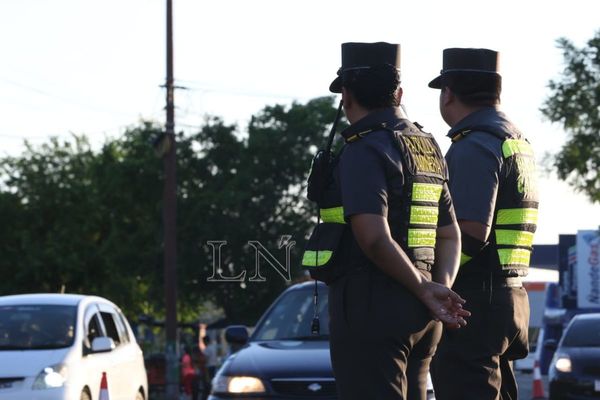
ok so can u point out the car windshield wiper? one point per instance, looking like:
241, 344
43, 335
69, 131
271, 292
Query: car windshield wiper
308, 337
13, 347
36, 347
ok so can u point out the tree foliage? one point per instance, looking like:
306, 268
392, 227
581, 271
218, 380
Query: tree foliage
91, 221
575, 103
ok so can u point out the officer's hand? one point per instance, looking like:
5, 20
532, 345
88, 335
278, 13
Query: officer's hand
445, 305
457, 311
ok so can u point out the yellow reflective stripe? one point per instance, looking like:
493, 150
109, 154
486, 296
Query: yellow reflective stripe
514, 256
309, 258
517, 216
514, 238
424, 215
421, 237
464, 258
511, 147
335, 214
426, 192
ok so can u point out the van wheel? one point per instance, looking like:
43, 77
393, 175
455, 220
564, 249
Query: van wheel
139, 396
85, 395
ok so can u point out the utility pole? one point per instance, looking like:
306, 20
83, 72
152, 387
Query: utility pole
169, 223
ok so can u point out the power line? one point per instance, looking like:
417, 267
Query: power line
63, 99
207, 88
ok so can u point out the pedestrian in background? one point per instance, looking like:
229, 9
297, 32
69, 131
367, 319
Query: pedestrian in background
493, 186
212, 360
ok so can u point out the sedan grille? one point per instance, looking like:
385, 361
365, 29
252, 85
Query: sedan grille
315, 388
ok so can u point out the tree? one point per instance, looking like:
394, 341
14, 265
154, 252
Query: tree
252, 188
91, 220
575, 103
82, 221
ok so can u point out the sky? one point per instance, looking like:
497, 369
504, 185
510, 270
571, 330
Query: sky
96, 68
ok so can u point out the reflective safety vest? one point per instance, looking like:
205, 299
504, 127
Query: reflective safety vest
510, 243
413, 225
425, 173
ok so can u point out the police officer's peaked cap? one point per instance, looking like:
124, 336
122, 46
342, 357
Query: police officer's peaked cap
363, 56
476, 61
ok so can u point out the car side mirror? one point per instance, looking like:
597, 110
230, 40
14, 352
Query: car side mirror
550, 344
102, 344
236, 335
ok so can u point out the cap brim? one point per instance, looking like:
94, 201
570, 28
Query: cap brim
436, 83
336, 85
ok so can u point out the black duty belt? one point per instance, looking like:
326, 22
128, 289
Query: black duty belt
485, 282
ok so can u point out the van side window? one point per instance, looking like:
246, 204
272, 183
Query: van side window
111, 328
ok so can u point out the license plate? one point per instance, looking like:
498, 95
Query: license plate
5, 385
597, 385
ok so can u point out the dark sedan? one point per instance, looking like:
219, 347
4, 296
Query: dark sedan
282, 359
575, 369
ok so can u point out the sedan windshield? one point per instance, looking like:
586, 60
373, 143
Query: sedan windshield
583, 333
29, 327
291, 317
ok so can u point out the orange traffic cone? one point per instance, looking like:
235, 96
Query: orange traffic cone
538, 385
103, 388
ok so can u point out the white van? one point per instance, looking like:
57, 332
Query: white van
57, 346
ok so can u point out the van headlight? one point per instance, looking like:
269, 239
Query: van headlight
237, 384
51, 377
563, 363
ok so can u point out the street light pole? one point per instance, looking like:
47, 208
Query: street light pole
169, 223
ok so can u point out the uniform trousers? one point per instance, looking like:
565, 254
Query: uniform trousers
382, 338
475, 362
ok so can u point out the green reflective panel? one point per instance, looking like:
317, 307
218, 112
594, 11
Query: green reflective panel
335, 215
426, 192
421, 237
511, 147
526, 175
510, 257
424, 215
517, 216
514, 238
309, 258
464, 258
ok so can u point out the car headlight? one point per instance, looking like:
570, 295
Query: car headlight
563, 363
237, 384
51, 377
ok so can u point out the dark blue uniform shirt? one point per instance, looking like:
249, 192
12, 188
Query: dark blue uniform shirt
474, 164
371, 174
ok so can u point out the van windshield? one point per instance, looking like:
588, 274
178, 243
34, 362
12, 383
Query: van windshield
34, 327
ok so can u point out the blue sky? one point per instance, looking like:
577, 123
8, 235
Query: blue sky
96, 67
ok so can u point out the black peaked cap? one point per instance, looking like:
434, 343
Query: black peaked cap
364, 56
476, 61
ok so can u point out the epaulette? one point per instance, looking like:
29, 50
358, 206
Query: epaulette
460, 134
362, 134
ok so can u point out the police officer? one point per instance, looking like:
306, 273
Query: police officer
388, 228
493, 186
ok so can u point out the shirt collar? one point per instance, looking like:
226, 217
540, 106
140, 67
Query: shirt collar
475, 118
377, 119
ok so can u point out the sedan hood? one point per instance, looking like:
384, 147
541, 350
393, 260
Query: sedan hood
583, 354
28, 363
281, 359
